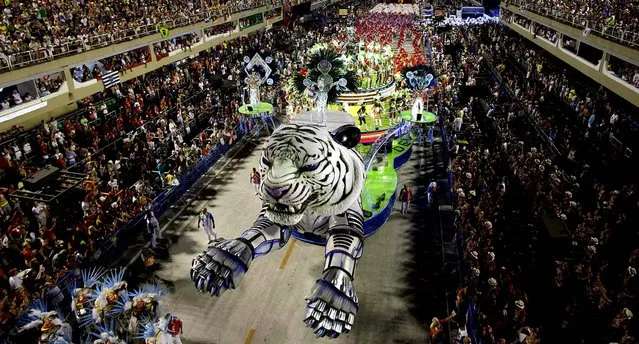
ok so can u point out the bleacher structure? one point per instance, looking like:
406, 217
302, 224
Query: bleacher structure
609, 41
28, 67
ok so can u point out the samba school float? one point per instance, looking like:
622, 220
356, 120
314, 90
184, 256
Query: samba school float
372, 66
259, 73
312, 182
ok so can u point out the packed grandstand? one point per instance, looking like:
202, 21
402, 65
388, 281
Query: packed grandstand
536, 156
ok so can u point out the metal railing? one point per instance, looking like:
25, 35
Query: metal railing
72, 47
613, 33
28, 58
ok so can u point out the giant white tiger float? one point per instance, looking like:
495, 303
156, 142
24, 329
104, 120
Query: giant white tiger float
313, 179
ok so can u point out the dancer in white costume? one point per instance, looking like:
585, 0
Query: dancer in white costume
418, 107
345, 107
254, 89
321, 87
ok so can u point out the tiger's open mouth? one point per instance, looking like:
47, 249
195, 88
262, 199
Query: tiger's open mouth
291, 209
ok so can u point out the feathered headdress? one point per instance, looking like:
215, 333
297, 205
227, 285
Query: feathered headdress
89, 278
111, 284
36, 315
105, 332
336, 72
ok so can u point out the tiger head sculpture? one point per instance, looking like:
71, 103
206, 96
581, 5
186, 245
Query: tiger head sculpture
308, 170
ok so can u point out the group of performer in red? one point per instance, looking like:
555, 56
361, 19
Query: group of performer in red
393, 30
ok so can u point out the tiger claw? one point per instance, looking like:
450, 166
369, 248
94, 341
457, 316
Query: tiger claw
331, 310
221, 267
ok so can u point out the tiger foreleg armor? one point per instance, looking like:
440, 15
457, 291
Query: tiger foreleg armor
333, 302
223, 265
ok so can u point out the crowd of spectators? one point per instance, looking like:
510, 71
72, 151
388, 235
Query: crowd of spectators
183, 43
62, 27
48, 84
506, 16
546, 32
628, 72
231, 6
591, 216
84, 73
121, 62
249, 21
449, 7
490, 305
546, 156
43, 87
622, 69
222, 29
274, 13
623, 15
598, 115
128, 60
521, 20
569, 43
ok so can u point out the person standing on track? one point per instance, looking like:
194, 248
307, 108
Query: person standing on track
403, 198
361, 115
208, 222
378, 110
346, 108
431, 192
256, 180
430, 136
153, 228
393, 110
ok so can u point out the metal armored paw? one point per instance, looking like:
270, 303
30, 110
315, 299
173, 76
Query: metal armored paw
332, 305
221, 267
